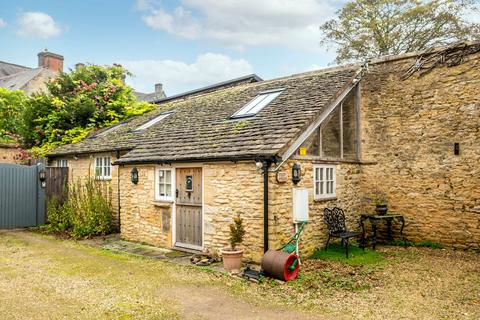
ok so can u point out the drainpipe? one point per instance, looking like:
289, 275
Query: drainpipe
265, 167
117, 153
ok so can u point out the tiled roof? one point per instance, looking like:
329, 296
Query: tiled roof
7, 68
200, 127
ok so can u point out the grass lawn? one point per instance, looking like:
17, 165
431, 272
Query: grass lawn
46, 278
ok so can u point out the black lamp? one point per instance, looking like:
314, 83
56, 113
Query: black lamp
134, 175
42, 175
296, 170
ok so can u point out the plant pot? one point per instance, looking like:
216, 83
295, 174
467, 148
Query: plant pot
381, 209
232, 259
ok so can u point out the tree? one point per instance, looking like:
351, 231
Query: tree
373, 28
76, 104
12, 104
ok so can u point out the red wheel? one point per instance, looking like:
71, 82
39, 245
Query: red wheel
288, 274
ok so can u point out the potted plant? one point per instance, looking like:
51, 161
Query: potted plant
232, 256
381, 203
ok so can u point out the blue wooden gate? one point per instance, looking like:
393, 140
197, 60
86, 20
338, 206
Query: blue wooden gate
22, 198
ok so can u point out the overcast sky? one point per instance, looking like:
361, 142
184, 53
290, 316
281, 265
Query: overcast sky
183, 44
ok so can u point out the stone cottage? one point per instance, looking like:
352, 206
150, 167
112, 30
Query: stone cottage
408, 126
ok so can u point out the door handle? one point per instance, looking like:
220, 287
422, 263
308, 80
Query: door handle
176, 193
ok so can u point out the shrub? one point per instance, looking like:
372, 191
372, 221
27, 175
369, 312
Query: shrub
85, 212
58, 218
236, 232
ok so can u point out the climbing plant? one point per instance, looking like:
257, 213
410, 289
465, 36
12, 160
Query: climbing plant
77, 103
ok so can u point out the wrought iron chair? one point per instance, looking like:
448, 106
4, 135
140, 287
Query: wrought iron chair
335, 220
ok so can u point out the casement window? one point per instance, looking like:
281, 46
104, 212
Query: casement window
325, 182
103, 168
63, 163
164, 184
257, 104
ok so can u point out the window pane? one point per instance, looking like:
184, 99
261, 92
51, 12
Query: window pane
331, 135
161, 176
168, 190
317, 187
162, 189
349, 127
321, 187
168, 176
321, 174
312, 144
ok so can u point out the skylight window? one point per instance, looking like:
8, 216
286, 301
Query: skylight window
155, 120
257, 104
109, 130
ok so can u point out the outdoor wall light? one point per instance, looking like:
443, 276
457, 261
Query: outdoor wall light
134, 175
296, 171
42, 175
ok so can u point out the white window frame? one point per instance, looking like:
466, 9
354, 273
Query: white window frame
257, 104
324, 181
104, 165
62, 163
153, 121
172, 196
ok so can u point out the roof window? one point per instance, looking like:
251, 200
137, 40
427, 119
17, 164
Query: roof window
257, 104
109, 130
153, 121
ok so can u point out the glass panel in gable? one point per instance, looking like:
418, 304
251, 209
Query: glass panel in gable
312, 144
349, 127
330, 135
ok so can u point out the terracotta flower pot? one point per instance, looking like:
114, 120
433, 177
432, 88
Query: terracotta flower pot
232, 259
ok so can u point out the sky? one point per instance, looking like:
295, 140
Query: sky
184, 44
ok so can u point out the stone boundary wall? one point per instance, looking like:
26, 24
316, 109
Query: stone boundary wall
409, 128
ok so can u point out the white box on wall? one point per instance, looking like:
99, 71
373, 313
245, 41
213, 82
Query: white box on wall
300, 205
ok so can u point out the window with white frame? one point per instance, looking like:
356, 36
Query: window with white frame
325, 184
63, 163
164, 184
257, 104
153, 121
103, 168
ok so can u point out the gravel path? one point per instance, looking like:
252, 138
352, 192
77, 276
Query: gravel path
45, 278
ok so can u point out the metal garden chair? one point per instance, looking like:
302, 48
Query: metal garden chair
335, 220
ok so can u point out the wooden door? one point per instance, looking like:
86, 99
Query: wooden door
189, 223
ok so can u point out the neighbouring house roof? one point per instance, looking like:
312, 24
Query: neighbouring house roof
149, 97
19, 80
200, 128
159, 96
7, 68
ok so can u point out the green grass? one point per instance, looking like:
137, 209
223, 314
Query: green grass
425, 244
356, 256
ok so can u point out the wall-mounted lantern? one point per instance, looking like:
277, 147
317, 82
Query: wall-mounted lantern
134, 175
42, 176
296, 172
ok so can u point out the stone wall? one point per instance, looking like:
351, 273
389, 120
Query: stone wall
82, 167
8, 154
142, 218
348, 197
409, 128
232, 188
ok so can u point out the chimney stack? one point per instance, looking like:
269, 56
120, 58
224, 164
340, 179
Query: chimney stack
51, 61
79, 66
158, 88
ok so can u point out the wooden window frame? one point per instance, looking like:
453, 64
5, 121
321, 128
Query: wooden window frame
323, 181
159, 197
